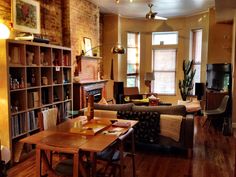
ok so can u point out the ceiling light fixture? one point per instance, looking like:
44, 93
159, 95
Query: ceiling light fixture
153, 15
118, 1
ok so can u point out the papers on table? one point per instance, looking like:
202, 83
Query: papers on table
115, 131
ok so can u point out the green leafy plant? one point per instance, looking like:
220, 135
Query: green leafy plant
186, 85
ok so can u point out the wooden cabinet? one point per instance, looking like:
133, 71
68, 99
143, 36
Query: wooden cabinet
33, 77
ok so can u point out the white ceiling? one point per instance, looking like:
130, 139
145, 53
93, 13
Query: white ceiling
165, 8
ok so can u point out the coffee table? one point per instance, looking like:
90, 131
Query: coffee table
191, 106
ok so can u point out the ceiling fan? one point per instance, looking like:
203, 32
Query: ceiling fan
153, 15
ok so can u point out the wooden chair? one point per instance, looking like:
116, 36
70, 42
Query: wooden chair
113, 156
48, 118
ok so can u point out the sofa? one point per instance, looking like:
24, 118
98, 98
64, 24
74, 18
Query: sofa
149, 128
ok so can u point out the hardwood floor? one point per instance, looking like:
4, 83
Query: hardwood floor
213, 156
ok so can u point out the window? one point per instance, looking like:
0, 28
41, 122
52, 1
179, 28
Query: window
165, 38
164, 67
196, 54
133, 48
164, 46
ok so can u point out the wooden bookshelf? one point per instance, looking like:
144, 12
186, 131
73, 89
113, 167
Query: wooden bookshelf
34, 76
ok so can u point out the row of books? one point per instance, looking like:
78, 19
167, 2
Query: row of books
21, 123
32, 120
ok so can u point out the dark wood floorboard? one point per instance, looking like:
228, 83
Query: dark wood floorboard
213, 156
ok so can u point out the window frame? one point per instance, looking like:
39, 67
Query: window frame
166, 47
193, 54
165, 32
137, 63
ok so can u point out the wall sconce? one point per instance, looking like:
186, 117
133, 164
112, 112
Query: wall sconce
149, 76
4, 32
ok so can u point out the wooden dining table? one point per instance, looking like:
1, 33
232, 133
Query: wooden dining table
64, 139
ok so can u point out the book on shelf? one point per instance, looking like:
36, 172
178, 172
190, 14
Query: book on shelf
31, 37
33, 99
67, 107
66, 59
36, 99
18, 124
30, 100
32, 120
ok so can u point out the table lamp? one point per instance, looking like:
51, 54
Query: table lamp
149, 76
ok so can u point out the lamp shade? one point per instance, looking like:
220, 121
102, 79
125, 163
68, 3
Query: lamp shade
5, 32
118, 49
149, 76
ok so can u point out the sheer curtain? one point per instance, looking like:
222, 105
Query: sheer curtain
164, 66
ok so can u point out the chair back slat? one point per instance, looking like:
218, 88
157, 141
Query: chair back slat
47, 118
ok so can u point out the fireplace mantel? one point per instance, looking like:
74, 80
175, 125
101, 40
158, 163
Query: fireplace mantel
82, 89
88, 82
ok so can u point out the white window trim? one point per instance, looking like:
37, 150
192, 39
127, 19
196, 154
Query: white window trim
163, 47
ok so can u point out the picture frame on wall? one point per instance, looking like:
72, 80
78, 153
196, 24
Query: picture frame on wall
88, 46
26, 16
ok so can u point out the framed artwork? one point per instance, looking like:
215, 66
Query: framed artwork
87, 46
26, 16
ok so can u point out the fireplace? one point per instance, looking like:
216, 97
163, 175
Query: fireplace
81, 91
97, 93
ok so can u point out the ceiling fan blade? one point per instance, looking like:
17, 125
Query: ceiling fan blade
160, 18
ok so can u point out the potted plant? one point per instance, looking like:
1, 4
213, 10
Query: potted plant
186, 85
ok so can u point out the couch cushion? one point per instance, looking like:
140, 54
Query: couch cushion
114, 107
148, 127
172, 110
102, 113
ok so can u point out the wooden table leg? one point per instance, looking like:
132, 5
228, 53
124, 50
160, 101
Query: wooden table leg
121, 159
133, 154
38, 162
76, 165
94, 163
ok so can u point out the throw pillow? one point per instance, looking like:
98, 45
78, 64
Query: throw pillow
103, 101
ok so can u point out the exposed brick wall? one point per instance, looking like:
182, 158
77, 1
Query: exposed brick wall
84, 22
51, 18
66, 22
5, 10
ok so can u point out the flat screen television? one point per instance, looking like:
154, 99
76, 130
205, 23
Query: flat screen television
218, 76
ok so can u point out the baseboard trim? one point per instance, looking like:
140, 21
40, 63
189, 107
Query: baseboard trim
234, 125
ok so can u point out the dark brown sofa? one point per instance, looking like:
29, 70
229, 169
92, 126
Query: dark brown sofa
147, 131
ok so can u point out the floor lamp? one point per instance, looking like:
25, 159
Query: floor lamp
149, 76
117, 49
